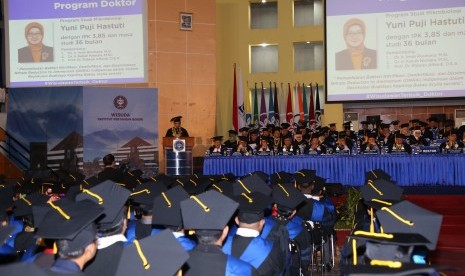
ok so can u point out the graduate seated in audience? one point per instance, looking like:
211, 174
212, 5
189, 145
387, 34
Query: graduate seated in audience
110, 170
167, 210
247, 244
242, 147
217, 148
287, 199
111, 227
142, 200
452, 144
208, 214
370, 145
72, 225
400, 145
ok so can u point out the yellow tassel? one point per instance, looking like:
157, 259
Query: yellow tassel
141, 255
55, 248
205, 207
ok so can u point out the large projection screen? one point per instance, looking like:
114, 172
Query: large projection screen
394, 49
69, 43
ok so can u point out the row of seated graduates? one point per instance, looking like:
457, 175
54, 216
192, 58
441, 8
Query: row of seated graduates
147, 218
389, 236
328, 140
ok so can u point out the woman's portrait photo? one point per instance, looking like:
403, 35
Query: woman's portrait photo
356, 56
36, 51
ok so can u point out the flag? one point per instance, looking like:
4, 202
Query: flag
238, 117
317, 108
235, 122
255, 107
311, 111
271, 106
301, 104
304, 96
289, 113
262, 107
296, 105
276, 106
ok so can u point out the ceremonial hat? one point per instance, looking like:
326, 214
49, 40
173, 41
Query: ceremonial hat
252, 206
287, 196
376, 174
280, 177
176, 119
167, 207
251, 183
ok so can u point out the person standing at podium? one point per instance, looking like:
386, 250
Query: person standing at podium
177, 130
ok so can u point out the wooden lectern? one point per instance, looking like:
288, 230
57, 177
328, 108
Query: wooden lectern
178, 162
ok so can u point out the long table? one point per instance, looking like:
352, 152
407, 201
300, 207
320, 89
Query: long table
406, 170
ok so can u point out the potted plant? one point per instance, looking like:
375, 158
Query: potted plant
346, 214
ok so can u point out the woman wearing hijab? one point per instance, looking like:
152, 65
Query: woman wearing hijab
36, 51
356, 56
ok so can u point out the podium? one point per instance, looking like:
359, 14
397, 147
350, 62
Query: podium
178, 162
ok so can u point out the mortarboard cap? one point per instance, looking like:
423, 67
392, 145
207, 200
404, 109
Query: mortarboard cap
400, 135
156, 255
176, 119
341, 135
347, 123
91, 181
287, 196
254, 131
389, 247
71, 221
23, 206
263, 176
280, 177
285, 125
217, 138
395, 122
406, 217
404, 125
364, 122
232, 131
208, 211
243, 138
225, 187
315, 135
381, 192
244, 129
433, 119
111, 197
144, 194
318, 184
252, 206
304, 177
264, 129
376, 174
415, 121
276, 128
332, 124
167, 208
385, 126
251, 183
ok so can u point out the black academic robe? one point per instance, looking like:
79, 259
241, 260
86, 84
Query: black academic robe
110, 174
105, 261
170, 133
209, 260
273, 263
421, 141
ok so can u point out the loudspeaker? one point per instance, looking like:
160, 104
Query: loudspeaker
38, 155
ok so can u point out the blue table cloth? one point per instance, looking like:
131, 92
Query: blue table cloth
406, 170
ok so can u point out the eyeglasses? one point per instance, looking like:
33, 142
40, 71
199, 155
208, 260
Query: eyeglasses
34, 34
355, 34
